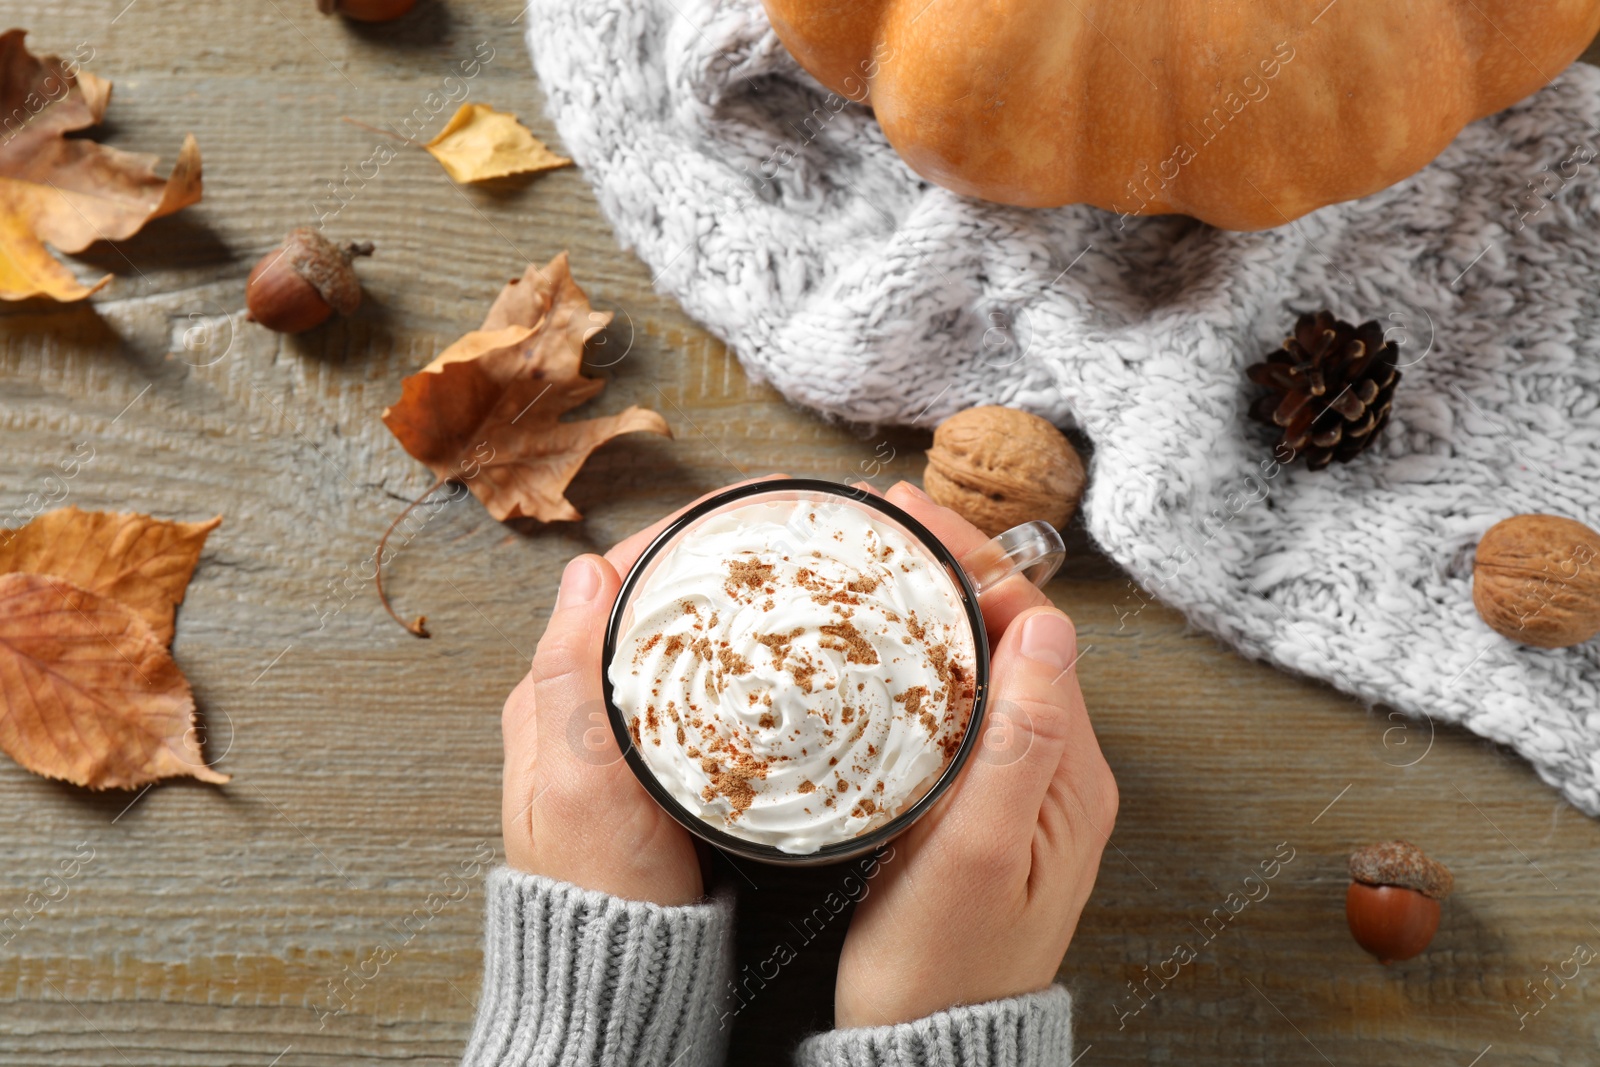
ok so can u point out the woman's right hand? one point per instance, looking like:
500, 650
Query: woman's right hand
980, 898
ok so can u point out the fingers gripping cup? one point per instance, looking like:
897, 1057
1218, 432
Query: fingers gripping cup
797, 669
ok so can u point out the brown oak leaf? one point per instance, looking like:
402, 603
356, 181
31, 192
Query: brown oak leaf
91, 694
143, 562
487, 411
69, 192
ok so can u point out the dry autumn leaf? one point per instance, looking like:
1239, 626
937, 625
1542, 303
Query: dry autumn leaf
480, 143
91, 694
68, 192
143, 562
88, 692
487, 411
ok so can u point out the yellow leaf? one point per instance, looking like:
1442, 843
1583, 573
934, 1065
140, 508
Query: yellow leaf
28, 269
480, 142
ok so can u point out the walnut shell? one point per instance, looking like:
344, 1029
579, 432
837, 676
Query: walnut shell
998, 467
1536, 580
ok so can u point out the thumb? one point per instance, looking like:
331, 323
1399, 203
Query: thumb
572, 724
1034, 709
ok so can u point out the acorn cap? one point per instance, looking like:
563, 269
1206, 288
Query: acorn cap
326, 266
1403, 864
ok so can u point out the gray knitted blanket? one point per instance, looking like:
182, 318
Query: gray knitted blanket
777, 215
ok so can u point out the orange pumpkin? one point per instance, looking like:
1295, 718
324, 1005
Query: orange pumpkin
1244, 113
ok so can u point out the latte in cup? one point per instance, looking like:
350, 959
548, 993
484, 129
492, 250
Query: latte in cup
795, 673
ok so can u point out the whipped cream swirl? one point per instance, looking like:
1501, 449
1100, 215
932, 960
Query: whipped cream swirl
796, 673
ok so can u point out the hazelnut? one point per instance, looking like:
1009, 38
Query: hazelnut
1392, 904
998, 467
1536, 580
304, 280
366, 10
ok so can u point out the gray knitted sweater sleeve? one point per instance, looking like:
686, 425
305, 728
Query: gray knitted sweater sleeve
576, 978
1034, 1030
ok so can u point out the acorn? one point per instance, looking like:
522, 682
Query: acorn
366, 10
304, 280
1392, 904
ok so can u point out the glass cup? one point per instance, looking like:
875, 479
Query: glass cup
1034, 550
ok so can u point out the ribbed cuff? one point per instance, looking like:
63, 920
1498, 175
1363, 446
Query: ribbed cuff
576, 978
1034, 1030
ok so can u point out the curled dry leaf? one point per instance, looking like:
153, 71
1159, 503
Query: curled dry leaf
479, 143
487, 411
69, 192
143, 562
91, 695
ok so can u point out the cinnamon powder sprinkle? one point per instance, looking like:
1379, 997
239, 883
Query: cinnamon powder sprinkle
850, 641
866, 583
802, 669
747, 574
778, 644
732, 783
912, 698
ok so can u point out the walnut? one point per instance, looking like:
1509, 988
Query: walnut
1537, 580
998, 467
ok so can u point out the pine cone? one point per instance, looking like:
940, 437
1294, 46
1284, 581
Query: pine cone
1331, 385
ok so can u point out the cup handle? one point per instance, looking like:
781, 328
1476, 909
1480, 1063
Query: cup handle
1034, 550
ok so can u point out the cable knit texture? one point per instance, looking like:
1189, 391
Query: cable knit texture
576, 978
1027, 1031
777, 214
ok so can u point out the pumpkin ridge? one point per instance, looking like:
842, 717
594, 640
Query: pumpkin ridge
1242, 114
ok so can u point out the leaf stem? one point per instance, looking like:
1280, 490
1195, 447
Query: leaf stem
407, 141
418, 626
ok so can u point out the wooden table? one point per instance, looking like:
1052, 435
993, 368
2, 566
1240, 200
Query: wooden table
211, 923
